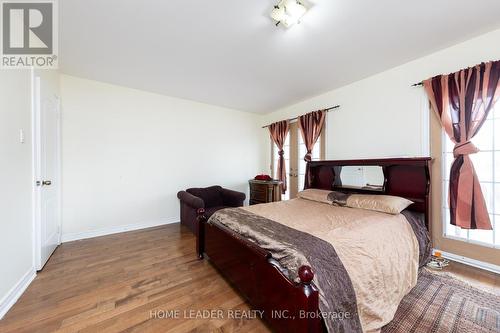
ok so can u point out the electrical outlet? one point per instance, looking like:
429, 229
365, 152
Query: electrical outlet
21, 136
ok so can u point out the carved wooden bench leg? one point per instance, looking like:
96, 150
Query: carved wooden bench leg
200, 232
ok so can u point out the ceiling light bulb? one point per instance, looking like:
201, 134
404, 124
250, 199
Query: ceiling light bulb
288, 2
295, 10
288, 21
288, 12
278, 13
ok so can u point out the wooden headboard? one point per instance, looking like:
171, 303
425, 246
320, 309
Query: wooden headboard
404, 177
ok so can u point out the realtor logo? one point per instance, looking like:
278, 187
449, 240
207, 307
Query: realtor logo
29, 37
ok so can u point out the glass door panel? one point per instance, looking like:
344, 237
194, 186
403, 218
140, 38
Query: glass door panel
295, 150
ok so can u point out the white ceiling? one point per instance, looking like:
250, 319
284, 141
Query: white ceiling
229, 53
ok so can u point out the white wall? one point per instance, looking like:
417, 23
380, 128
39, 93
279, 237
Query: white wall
382, 116
126, 154
16, 226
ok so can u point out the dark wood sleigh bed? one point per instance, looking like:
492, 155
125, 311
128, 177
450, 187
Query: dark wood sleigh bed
259, 278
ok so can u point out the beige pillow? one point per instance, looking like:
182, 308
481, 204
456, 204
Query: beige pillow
381, 203
315, 195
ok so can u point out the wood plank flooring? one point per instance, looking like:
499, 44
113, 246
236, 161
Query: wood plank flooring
474, 276
129, 282
126, 283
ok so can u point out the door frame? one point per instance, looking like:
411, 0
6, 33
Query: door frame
37, 167
293, 168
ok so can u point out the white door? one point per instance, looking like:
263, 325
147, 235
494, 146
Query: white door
47, 171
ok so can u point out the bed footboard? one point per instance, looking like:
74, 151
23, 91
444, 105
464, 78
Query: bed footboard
287, 306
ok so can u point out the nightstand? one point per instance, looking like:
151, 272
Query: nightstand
262, 191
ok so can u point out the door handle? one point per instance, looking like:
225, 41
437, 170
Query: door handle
46, 183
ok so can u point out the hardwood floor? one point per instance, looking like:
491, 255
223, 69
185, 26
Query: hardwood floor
476, 277
129, 282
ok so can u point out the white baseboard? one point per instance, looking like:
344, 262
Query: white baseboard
13, 295
72, 236
471, 262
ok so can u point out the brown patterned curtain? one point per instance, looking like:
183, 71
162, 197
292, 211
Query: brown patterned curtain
311, 125
278, 132
462, 101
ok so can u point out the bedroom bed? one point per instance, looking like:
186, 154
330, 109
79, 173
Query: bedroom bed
313, 266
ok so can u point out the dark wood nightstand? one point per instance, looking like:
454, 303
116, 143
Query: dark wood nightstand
262, 191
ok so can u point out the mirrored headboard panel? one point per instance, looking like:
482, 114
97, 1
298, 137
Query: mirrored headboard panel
404, 177
368, 177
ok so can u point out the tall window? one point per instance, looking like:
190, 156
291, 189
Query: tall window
316, 155
274, 152
295, 150
487, 165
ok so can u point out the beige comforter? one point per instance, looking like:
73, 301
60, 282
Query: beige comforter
379, 251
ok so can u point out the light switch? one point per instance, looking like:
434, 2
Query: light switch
21, 135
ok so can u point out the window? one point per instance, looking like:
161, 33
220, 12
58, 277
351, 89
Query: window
274, 152
295, 150
316, 155
487, 165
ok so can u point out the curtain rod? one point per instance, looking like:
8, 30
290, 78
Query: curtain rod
327, 110
421, 83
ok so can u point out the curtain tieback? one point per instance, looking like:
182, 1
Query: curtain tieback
465, 148
308, 156
281, 152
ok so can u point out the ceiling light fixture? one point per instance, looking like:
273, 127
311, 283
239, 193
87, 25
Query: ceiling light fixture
288, 12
